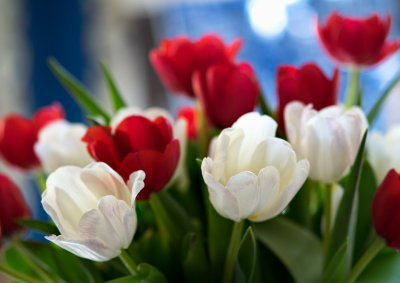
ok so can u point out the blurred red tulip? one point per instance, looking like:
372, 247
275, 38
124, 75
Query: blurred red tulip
307, 84
189, 113
386, 210
176, 59
226, 92
12, 206
359, 42
19, 134
137, 143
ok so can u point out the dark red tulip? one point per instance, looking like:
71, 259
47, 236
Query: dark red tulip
189, 113
226, 92
19, 134
386, 210
12, 206
307, 84
359, 42
176, 59
137, 143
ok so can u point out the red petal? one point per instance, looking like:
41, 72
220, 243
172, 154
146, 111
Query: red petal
159, 167
12, 206
17, 137
48, 114
137, 133
101, 146
189, 113
386, 210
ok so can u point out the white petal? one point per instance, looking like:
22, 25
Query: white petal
90, 249
286, 194
136, 184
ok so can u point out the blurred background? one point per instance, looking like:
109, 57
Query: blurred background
80, 34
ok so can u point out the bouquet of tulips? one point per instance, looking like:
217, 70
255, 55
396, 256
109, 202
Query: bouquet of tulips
229, 190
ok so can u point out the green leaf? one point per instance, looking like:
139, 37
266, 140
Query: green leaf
39, 225
346, 217
116, 97
195, 263
77, 91
383, 268
378, 105
147, 274
298, 248
364, 226
247, 257
334, 270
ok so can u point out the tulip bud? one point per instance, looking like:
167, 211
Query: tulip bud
329, 139
93, 209
385, 210
307, 84
60, 144
19, 134
137, 143
360, 42
12, 206
252, 174
176, 59
232, 87
190, 114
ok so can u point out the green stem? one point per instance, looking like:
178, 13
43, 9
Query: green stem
264, 105
328, 220
17, 275
203, 132
233, 250
41, 181
353, 88
128, 262
373, 250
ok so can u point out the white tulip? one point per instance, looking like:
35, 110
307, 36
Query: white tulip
252, 174
93, 208
179, 132
384, 152
59, 144
329, 139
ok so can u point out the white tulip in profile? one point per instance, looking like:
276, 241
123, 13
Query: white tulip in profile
384, 152
59, 144
93, 208
251, 173
328, 138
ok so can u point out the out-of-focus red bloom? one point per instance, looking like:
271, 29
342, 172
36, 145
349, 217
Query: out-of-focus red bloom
189, 113
386, 210
176, 59
226, 92
12, 206
357, 41
137, 143
307, 84
19, 134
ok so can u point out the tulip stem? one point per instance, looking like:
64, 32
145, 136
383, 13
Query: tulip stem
128, 262
233, 250
328, 220
203, 132
366, 258
17, 275
264, 105
41, 181
353, 88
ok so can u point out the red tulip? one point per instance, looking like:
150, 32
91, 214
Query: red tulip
386, 210
19, 134
357, 41
189, 113
137, 143
12, 206
176, 59
226, 92
307, 84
